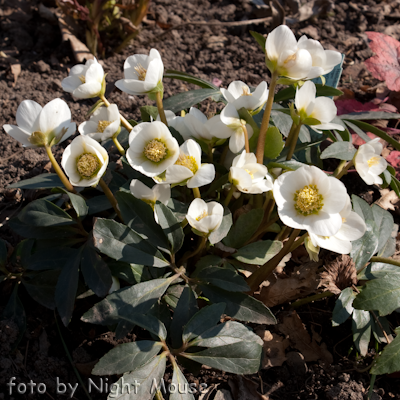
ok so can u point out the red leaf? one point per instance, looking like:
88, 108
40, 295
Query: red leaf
384, 65
347, 106
394, 158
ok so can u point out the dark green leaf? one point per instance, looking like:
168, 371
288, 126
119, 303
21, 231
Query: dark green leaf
3, 253
389, 361
244, 228
79, 204
22, 253
50, 258
343, 306
362, 208
148, 113
203, 320
171, 226
128, 272
369, 115
173, 295
377, 331
240, 306
260, 39
225, 278
273, 143
361, 326
381, 294
183, 76
237, 358
123, 244
98, 204
43, 181
339, 150
357, 130
178, 208
126, 357
223, 229
377, 270
290, 92
179, 389
185, 100
384, 225
148, 322
258, 253
365, 247
137, 299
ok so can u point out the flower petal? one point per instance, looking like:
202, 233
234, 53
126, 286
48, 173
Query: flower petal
19, 134
28, 115
55, 116
204, 175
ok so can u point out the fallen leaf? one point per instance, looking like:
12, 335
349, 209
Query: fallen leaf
273, 348
394, 158
300, 339
244, 388
15, 70
283, 288
389, 200
223, 394
340, 274
384, 65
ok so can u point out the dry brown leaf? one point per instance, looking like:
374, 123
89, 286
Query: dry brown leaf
15, 70
273, 348
389, 200
282, 289
300, 339
244, 388
223, 394
340, 274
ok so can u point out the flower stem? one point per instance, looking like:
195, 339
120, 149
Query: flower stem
118, 146
110, 197
229, 195
59, 171
196, 193
265, 121
246, 139
385, 260
341, 170
299, 242
160, 107
124, 121
197, 250
264, 271
293, 141
310, 299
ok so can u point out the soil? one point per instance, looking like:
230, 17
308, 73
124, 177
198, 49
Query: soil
212, 52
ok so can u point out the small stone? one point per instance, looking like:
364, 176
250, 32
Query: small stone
41, 67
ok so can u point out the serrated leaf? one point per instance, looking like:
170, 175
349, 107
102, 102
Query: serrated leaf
343, 306
244, 228
384, 225
43, 181
240, 306
361, 326
148, 322
140, 381
185, 100
136, 299
202, 320
223, 229
126, 357
365, 247
258, 253
226, 333
170, 226
123, 244
339, 150
381, 294
178, 389
389, 360
237, 358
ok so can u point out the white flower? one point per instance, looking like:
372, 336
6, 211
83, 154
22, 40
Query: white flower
321, 59
248, 176
84, 161
353, 228
142, 73
308, 199
85, 81
205, 217
103, 123
321, 108
229, 124
39, 126
238, 93
188, 168
196, 124
152, 148
369, 163
161, 193
176, 122
283, 55
115, 285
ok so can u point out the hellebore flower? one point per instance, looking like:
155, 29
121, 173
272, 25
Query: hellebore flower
310, 107
188, 168
38, 127
238, 94
353, 228
152, 148
230, 125
103, 124
308, 199
84, 161
321, 59
369, 163
248, 176
85, 81
283, 56
196, 124
204, 217
143, 74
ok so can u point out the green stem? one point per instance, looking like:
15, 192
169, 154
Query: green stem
385, 260
342, 171
298, 242
110, 198
371, 386
229, 195
160, 107
293, 142
310, 299
290, 135
196, 193
124, 121
264, 271
246, 139
265, 121
118, 146
59, 171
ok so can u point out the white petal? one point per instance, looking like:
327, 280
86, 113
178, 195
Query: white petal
229, 115
236, 142
324, 224
154, 72
279, 39
353, 227
217, 128
333, 243
197, 207
305, 96
140, 190
299, 65
228, 96
162, 192
177, 174
19, 134
335, 199
70, 83
324, 109
87, 90
28, 115
55, 116
204, 175
95, 73
78, 70
134, 61
87, 127
240, 178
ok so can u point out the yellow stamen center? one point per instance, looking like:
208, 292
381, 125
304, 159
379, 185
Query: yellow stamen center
290, 58
155, 151
202, 215
140, 72
88, 165
151, 203
82, 78
250, 173
102, 125
373, 161
344, 220
308, 200
188, 162
246, 91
